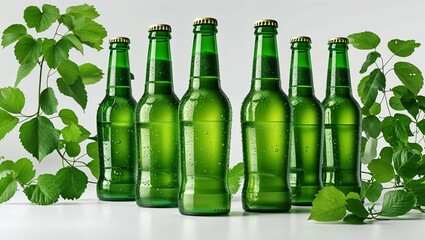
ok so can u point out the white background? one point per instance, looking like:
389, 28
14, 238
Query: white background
318, 19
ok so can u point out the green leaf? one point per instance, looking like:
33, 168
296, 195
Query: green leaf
74, 42
39, 137
402, 48
45, 192
24, 70
356, 206
55, 53
28, 50
48, 101
372, 191
7, 123
418, 188
73, 149
25, 170
83, 11
329, 205
409, 103
353, 195
7, 165
397, 203
12, 99
69, 71
90, 73
236, 175
406, 162
421, 102
370, 150
72, 181
94, 167
85, 134
420, 125
76, 90
67, 20
41, 20
400, 91
375, 109
410, 76
71, 133
90, 32
381, 170
68, 116
353, 219
364, 40
12, 34
8, 185
395, 104
92, 150
375, 82
396, 128
370, 59
386, 154
372, 126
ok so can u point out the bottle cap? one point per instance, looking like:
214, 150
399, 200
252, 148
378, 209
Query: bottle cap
338, 40
266, 22
301, 39
119, 40
160, 27
205, 20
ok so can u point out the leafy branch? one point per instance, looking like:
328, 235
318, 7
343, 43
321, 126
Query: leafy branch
74, 29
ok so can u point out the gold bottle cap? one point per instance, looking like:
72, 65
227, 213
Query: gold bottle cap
205, 20
301, 39
266, 22
338, 40
119, 40
160, 27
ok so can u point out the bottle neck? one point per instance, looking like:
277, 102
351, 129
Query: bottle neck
159, 73
300, 75
339, 83
265, 69
119, 75
204, 71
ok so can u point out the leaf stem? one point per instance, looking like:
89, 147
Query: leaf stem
63, 158
387, 61
39, 85
386, 103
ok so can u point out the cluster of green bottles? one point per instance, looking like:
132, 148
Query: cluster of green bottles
163, 152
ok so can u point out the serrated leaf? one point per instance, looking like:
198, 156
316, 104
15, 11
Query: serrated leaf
90, 73
8, 185
12, 34
7, 165
370, 59
55, 53
420, 125
68, 116
370, 150
410, 76
396, 129
74, 42
92, 150
375, 82
375, 109
402, 48
24, 170
73, 149
90, 32
94, 167
85, 134
235, 177
41, 20
329, 205
48, 101
28, 50
381, 170
372, 126
7, 123
353, 219
45, 192
372, 191
24, 70
72, 181
39, 137
12, 99
76, 90
356, 207
364, 40
83, 11
69, 71
397, 203
71, 133
67, 20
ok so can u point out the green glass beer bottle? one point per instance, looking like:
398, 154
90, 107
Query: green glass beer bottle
341, 158
157, 127
115, 128
266, 120
305, 171
205, 121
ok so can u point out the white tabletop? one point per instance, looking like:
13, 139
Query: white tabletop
89, 218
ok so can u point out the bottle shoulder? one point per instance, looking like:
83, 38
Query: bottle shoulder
341, 110
266, 106
157, 108
120, 109
306, 110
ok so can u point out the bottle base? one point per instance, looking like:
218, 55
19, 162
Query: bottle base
204, 204
266, 201
156, 204
304, 195
116, 192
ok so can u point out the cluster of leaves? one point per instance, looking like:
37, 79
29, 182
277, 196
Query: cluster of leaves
38, 134
400, 126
